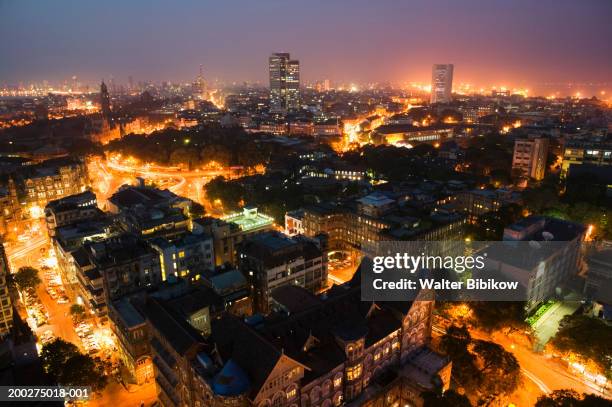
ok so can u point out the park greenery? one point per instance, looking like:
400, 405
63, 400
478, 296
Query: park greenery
194, 148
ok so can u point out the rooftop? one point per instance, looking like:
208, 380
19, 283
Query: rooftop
249, 219
128, 313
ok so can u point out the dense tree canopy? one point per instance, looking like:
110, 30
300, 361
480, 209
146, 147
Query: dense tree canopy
590, 338
449, 398
26, 278
500, 315
69, 367
570, 398
484, 369
226, 146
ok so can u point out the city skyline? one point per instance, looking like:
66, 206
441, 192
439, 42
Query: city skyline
542, 48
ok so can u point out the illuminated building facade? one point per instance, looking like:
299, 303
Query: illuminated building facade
352, 228
441, 83
477, 202
10, 210
334, 352
115, 267
132, 334
184, 255
6, 306
583, 152
284, 83
407, 134
53, 179
70, 210
542, 272
530, 157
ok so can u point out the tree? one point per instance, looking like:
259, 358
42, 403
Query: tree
449, 398
77, 311
456, 340
55, 354
83, 370
499, 368
570, 398
455, 344
69, 367
590, 338
502, 315
26, 278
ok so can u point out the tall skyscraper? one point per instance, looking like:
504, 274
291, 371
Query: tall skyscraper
284, 83
105, 101
441, 83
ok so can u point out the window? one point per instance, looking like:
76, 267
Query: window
354, 372
291, 394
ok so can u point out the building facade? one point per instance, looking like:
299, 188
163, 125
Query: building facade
6, 306
530, 157
272, 259
182, 256
441, 83
70, 210
229, 231
53, 179
284, 83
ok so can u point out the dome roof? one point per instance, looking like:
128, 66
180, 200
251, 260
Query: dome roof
231, 380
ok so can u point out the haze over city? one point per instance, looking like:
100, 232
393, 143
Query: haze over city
545, 45
395, 203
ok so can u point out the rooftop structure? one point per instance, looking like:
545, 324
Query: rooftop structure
249, 219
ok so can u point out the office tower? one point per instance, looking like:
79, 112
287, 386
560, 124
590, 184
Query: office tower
284, 83
530, 157
105, 101
441, 83
201, 85
6, 308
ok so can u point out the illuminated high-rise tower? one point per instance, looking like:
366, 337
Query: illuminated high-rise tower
284, 83
441, 83
105, 101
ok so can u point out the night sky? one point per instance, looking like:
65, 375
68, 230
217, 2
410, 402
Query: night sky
491, 42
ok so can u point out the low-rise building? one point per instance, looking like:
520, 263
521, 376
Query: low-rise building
71, 209
530, 157
53, 179
130, 328
272, 259
150, 212
549, 257
331, 353
577, 152
229, 231
184, 255
294, 223
6, 306
115, 267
